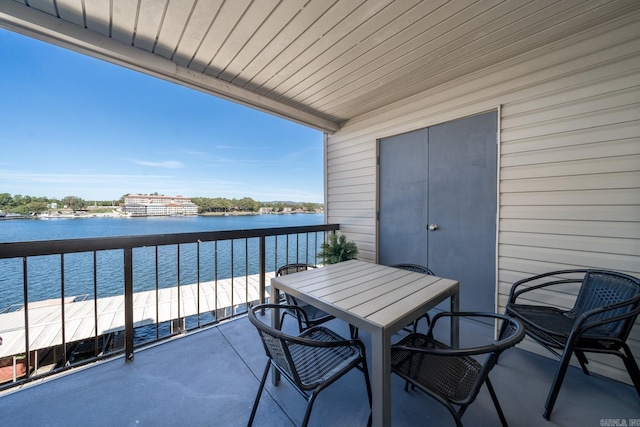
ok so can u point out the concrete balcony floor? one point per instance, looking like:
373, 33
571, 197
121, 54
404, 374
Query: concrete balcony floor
210, 378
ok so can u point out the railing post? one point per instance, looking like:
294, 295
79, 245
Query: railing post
65, 356
128, 304
25, 295
262, 266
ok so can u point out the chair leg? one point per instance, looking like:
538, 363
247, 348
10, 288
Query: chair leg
365, 371
257, 401
282, 319
632, 367
503, 329
494, 397
557, 382
307, 413
457, 417
583, 361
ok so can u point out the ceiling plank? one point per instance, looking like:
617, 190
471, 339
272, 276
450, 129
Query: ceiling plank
46, 6
123, 25
72, 11
98, 16
173, 26
150, 16
198, 25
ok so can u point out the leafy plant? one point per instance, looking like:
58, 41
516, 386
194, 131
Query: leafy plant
337, 249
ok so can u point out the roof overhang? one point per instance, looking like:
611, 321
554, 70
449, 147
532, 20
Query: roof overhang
316, 62
33, 23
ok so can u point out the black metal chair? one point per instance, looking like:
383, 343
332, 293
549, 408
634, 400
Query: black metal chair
416, 269
310, 315
311, 361
605, 309
453, 376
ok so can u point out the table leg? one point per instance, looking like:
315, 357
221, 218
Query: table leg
275, 323
381, 378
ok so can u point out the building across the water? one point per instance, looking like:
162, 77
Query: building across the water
144, 205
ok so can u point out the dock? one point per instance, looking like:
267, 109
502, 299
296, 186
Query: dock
45, 325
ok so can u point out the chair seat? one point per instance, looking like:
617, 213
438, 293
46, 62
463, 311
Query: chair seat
318, 364
553, 326
448, 376
315, 316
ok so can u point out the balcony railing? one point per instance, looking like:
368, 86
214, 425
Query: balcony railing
71, 302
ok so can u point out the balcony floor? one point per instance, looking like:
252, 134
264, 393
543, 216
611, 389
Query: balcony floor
210, 378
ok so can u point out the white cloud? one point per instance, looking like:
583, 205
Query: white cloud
169, 164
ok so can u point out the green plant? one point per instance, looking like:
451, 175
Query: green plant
337, 249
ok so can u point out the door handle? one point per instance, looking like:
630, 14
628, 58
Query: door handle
432, 227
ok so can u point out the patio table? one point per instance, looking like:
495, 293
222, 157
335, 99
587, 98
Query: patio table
378, 299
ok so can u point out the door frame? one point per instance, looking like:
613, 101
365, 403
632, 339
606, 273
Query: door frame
447, 119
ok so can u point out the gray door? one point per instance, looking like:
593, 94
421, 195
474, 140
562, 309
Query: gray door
403, 199
445, 176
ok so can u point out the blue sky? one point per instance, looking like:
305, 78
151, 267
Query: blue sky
71, 125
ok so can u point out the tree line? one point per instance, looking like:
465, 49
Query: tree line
247, 204
35, 205
29, 204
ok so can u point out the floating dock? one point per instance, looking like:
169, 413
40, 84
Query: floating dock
45, 321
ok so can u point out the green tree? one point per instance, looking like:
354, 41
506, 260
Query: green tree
37, 206
247, 204
17, 200
74, 203
5, 199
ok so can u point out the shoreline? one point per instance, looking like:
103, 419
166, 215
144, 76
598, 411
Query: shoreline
114, 214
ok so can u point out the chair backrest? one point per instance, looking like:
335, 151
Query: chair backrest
414, 267
293, 268
310, 358
601, 288
275, 342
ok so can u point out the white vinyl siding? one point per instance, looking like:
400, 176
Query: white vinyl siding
569, 190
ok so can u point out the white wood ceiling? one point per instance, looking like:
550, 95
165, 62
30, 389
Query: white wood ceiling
319, 62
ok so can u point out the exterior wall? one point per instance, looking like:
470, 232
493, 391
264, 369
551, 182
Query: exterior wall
189, 209
155, 209
569, 162
135, 209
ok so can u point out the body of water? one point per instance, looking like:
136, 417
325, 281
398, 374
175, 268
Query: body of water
81, 228
73, 274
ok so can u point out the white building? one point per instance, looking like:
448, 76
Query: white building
143, 205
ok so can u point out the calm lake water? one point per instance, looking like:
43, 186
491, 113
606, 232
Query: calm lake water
45, 274
54, 229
